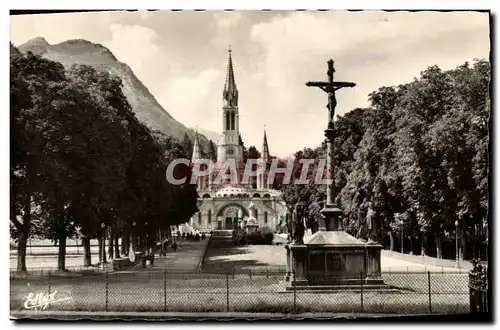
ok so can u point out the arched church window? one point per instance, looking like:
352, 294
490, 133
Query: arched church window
206, 196
265, 217
209, 216
227, 121
267, 196
256, 195
232, 121
199, 218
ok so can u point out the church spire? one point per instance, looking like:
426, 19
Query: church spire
230, 93
265, 148
196, 147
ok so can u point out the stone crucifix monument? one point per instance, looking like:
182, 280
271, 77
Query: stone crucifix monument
331, 259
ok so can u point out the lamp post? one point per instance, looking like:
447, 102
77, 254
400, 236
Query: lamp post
402, 235
457, 254
103, 256
485, 226
146, 229
134, 238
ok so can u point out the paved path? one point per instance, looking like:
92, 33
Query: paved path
273, 256
186, 258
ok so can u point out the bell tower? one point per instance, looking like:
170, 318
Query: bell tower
229, 146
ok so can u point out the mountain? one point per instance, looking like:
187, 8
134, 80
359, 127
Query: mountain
211, 135
14, 50
143, 103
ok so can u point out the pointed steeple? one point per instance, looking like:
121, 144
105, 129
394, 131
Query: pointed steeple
265, 148
230, 93
196, 147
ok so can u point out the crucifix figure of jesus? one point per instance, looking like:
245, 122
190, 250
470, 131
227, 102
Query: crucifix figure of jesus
330, 87
331, 213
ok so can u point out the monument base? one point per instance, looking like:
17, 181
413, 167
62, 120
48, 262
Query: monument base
334, 260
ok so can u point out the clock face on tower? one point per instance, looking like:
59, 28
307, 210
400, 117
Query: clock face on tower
230, 151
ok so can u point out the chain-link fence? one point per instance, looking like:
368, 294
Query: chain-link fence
248, 291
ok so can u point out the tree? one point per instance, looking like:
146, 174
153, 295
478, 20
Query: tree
100, 168
35, 90
187, 145
212, 151
417, 157
252, 153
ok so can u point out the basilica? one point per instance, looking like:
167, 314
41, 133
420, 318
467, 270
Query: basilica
229, 205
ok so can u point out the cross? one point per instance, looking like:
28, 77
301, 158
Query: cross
330, 87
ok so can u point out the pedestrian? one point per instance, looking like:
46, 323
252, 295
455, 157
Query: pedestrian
174, 246
165, 246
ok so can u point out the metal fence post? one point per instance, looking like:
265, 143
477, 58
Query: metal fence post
50, 288
50, 282
429, 282
107, 291
165, 289
267, 273
250, 273
361, 278
294, 294
227, 292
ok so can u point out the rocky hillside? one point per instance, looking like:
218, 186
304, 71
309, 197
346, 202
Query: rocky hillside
143, 103
209, 134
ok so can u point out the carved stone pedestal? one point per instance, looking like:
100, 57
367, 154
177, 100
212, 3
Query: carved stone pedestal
334, 260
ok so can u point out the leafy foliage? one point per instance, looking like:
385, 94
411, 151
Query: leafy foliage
80, 158
418, 157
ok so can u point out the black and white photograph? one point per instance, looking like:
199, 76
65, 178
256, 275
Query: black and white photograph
250, 164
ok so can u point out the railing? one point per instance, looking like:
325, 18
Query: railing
239, 291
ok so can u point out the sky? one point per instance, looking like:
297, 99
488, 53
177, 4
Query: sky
181, 57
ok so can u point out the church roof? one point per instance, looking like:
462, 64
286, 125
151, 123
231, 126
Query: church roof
196, 147
265, 148
228, 191
240, 191
230, 93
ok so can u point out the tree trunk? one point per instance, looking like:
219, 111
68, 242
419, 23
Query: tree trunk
391, 240
125, 242
61, 258
423, 247
87, 256
111, 253
24, 233
99, 240
141, 242
439, 249
411, 244
117, 246
134, 241
463, 245
21, 249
